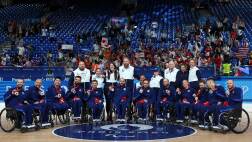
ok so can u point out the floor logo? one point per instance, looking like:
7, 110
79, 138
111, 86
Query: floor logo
124, 131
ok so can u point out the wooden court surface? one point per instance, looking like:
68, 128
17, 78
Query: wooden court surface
45, 135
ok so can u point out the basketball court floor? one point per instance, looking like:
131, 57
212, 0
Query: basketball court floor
150, 132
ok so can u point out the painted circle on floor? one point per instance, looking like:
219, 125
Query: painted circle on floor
123, 132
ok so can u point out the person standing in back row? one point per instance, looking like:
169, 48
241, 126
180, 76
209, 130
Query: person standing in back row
84, 73
170, 72
194, 75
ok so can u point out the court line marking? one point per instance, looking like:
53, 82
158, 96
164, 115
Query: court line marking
64, 137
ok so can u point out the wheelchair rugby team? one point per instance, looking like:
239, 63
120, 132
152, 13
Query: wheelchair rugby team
179, 96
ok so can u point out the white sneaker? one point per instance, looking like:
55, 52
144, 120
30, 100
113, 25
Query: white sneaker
96, 120
160, 119
194, 121
203, 126
46, 124
179, 121
76, 118
29, 126
225, 128
216, 127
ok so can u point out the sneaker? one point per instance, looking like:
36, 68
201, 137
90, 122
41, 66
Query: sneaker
217, 127
203, 126
29, 126
179, 121
96, 120
225, 128
160, 119
45, 124
194, 121
76, 118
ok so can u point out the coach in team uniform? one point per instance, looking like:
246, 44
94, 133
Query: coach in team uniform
155, 82
36, 97
99, 77
194, 75
84, 73
170, 72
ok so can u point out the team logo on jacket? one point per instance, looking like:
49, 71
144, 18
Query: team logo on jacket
124, 132
168, 91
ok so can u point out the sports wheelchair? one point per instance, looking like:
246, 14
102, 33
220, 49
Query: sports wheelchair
236, 120
12, 118
167, 114
62, 115
146, 120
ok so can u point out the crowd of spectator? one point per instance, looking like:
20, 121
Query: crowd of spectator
210, 44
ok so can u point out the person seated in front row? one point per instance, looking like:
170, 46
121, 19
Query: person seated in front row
201, 101
36, 97
143, 100
216, 98
120, 95
95, 101
233, 101
17, 99
75, 96
56, 97
185, 101
166, 100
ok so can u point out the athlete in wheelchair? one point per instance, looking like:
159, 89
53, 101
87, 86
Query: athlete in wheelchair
18, 112
95, 102
143, 99
56, 99
166, 102
36, 97
75, 99
229, 115
185, 104
120, 95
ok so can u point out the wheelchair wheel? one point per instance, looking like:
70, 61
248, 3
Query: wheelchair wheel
8, 119
240, 121
64, 117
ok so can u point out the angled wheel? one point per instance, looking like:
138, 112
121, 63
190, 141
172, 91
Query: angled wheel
8, 119
240, 121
